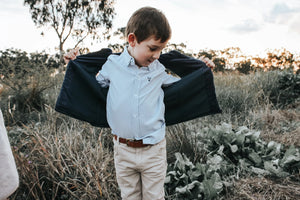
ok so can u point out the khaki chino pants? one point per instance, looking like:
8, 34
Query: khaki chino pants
141, 171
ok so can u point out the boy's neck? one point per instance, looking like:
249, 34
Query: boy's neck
129, 50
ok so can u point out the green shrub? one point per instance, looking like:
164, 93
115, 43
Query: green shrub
201, 181
25, 78
288, 89
231, 153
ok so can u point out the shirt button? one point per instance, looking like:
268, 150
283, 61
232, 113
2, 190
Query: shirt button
135, 116
135, 95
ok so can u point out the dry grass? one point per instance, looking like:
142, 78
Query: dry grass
64, 159
181, 138
282, 126
259, 188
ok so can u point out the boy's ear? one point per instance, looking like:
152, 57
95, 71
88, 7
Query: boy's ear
132, 39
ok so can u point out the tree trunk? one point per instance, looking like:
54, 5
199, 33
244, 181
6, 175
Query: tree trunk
61, 57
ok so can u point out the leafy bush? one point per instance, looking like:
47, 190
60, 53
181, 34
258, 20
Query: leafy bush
200, 181
244, 148
280, 87
230, 154
25, 77
288, 89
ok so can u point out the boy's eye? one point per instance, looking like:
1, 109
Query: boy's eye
152, 49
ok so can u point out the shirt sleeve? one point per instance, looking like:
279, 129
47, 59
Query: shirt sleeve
102, 77
169, 79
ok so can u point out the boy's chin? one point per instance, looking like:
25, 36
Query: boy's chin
149, 62
144, 64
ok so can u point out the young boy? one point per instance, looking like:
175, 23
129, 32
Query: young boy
135, 107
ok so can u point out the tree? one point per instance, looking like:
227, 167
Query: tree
119, 47
209, 54
25, 78
278, 59
76, 18
244, 67
220, 64
181, 47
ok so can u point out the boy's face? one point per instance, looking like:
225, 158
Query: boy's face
146, 51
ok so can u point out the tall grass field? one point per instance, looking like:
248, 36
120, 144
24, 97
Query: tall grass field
250, 151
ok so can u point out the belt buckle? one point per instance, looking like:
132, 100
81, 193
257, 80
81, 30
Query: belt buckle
129, 140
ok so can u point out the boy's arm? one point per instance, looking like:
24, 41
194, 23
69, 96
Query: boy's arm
102, 79
102, 76
169, 79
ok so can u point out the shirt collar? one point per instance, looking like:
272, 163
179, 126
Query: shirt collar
129, 60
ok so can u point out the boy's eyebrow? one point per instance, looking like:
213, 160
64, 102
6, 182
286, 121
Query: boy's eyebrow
154, 46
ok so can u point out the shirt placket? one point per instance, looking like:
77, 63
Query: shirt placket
135, 105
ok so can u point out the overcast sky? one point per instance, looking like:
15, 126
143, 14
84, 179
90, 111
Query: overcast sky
252, 25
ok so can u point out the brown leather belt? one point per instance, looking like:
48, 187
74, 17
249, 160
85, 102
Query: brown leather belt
131, 143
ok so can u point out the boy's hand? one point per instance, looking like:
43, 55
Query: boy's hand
208, 62
71, 55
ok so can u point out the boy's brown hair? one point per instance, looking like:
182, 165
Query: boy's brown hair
148, 21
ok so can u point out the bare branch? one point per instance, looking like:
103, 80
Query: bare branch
63, 14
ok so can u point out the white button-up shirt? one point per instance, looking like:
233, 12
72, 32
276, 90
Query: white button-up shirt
135, 106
